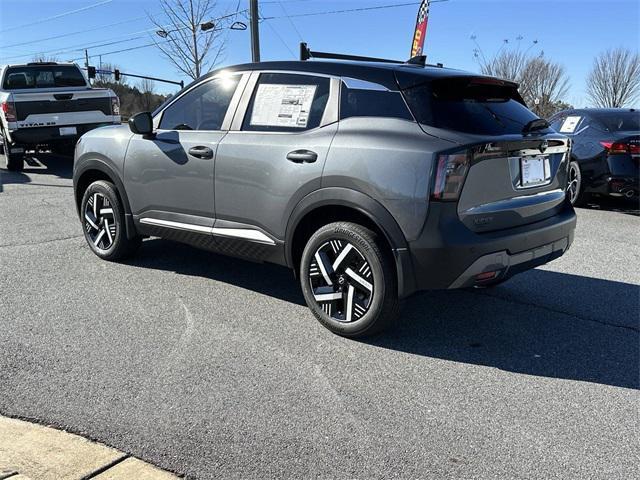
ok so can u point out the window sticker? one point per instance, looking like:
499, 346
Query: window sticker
283, 105
570, 124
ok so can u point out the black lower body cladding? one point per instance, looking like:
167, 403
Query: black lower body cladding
448, 254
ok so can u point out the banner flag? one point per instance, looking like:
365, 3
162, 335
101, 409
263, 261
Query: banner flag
421, 29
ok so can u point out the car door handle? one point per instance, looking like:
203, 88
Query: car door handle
302, 156
201, 152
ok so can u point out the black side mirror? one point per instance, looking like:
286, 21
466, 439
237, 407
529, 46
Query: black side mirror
141, 123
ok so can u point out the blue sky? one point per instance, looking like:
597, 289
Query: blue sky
568, 31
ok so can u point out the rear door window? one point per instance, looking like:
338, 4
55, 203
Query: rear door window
469, 105
43, 76
287, 102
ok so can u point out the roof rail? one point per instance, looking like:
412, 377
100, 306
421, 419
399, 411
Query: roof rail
306, 54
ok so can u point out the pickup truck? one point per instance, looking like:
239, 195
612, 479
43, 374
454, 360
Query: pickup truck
49, 105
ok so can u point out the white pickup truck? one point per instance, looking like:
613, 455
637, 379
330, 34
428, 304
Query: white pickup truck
49, 105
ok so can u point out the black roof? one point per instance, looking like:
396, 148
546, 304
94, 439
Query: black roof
382, 73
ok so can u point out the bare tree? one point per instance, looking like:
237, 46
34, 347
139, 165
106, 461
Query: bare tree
614, 80
543, 83
191, 50
146, 88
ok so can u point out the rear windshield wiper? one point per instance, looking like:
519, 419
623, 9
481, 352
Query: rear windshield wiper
535, 125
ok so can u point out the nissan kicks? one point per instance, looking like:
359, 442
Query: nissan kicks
371, 180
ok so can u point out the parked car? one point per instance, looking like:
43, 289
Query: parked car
371, 181
605, 153
49, 105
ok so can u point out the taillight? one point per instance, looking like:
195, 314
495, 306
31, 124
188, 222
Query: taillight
9, 110
616, 147
115, 105
450, 174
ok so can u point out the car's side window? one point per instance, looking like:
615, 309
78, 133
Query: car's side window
287, 102
357, 102
203, 108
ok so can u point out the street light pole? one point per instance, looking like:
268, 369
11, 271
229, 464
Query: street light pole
255, 31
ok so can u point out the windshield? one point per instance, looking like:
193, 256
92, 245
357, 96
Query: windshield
623, 121
461, 105
43, 76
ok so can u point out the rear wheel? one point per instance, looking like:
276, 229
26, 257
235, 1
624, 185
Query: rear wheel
348, 280
575, 187
14, 161
104, 224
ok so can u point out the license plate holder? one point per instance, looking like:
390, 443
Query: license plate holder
65, 131
534, 171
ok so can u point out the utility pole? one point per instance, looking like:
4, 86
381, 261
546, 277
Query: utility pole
255, 31
194, 30
86, 61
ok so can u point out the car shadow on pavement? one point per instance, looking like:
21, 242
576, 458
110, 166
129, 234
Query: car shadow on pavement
41, 163
620, 205
540, 323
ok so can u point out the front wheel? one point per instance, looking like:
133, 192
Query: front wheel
103, 221
348, 280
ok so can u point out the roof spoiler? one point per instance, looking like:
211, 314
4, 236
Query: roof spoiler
306, 54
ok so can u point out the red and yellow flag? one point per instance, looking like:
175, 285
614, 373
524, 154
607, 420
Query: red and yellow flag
421, 29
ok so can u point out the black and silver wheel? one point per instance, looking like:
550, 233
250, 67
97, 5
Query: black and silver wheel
103, 222
14, 161
348, 280
574, 187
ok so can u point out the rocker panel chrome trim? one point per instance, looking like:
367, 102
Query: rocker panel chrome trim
240, 233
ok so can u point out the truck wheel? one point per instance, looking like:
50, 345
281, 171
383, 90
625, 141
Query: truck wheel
348, 280
102, 216
14, 161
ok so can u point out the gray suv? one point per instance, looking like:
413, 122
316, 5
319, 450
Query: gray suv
372, 181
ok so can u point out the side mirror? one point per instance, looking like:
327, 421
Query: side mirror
141, 123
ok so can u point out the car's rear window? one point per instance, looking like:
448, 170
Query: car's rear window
43, 76
469, 105
619, 121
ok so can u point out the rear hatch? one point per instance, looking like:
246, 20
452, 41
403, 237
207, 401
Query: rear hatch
509, 169
56, 95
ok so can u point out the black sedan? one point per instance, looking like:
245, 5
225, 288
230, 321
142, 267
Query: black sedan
606, 151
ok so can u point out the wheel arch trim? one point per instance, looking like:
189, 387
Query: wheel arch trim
370, 208
96, 164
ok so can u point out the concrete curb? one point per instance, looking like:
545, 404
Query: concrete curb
33, 452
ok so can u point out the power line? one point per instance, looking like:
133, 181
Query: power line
360, 9
54, 17
281, 40
82, 46
291, 21
69, 34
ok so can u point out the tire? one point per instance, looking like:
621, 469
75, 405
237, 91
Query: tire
575, 188
102, 216
14, 161
346, 265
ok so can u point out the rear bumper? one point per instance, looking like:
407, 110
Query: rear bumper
449, 255
38, 135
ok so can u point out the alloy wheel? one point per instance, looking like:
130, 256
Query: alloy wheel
100, 222
574, 182
341, 281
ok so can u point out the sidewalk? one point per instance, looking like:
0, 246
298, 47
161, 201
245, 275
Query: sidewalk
32, 452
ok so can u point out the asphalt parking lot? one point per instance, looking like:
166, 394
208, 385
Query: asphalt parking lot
213, 367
